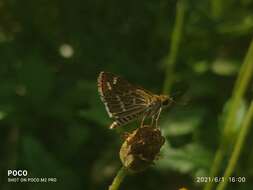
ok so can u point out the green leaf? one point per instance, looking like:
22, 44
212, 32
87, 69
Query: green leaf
225, 67
40, 163
35, 80
183, 123
190, 159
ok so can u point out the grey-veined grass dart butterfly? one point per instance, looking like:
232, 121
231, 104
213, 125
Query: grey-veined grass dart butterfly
126, 102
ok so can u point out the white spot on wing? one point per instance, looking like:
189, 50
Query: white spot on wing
118, 98
122, 106
109, 86
115, 80
113, 125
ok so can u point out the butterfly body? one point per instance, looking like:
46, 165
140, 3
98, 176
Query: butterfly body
126, 102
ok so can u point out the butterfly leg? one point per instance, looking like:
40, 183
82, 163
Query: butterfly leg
157, 117
143, 119
153, 119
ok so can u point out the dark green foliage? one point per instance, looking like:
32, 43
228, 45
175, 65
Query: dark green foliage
52, 122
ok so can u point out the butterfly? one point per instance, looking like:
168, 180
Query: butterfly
125, 102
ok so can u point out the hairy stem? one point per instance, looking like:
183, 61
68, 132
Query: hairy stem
170, 60
118, 179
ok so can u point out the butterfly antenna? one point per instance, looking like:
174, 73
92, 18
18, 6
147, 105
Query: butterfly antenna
181, 103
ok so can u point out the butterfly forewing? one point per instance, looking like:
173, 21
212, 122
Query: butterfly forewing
124, 102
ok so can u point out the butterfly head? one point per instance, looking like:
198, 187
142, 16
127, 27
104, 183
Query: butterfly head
166, 100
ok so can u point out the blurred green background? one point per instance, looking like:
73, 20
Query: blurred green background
52, 122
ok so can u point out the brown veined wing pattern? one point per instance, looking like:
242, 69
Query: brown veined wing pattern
125, 102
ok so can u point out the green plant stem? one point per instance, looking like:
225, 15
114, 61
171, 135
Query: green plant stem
216, 8
170, 60
238, 147
244, 77
240, 87
118, 179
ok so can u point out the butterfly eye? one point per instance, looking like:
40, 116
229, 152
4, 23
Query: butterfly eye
165, 102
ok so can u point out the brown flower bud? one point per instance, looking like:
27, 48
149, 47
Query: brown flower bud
140, 148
